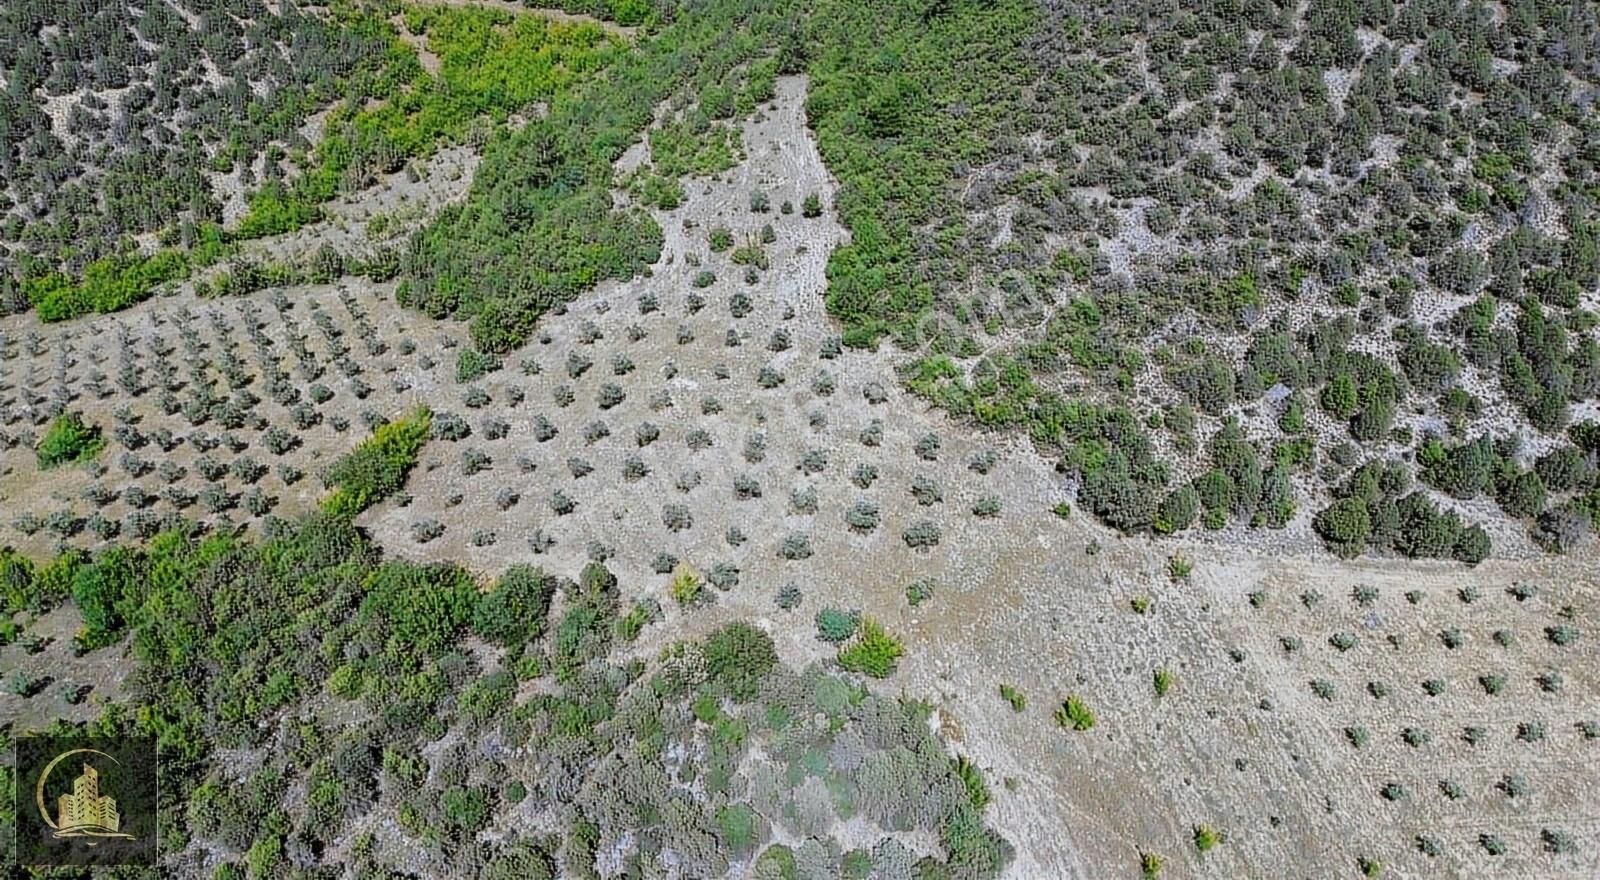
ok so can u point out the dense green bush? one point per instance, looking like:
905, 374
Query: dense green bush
68, 439
514, 611
1074, 713
378, 467
1177, 511
873, 652
738, 657
1345, 526
1376, 509
108, 285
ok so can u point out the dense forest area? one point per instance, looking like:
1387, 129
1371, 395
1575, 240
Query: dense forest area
115, 119
1228, 255
1222, 260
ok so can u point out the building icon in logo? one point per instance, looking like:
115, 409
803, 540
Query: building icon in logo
84, 812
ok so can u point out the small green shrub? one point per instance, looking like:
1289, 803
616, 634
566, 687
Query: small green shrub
921, 535
750, 255
472, 364
1162, 679
632, 624
1492, 683
1014, 697
1556, 842
862, 517
1075, 713
874, 652
686, 584
737, 827
1561, 635
1206, 838
972, 778
919, 592
835, 626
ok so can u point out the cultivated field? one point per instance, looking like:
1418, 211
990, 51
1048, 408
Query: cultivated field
1319, 716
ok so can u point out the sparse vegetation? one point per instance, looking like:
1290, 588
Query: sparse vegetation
1075, 714
1162, 679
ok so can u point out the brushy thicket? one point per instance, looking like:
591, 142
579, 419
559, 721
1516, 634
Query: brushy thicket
492, 63
108, 284
378, 467
538, 227
883, 76
243, 645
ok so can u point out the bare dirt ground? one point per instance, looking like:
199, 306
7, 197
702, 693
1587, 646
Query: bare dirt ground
383, 215
46, 657
1242, 742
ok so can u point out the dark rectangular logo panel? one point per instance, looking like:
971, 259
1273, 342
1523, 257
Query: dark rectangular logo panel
85, 801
